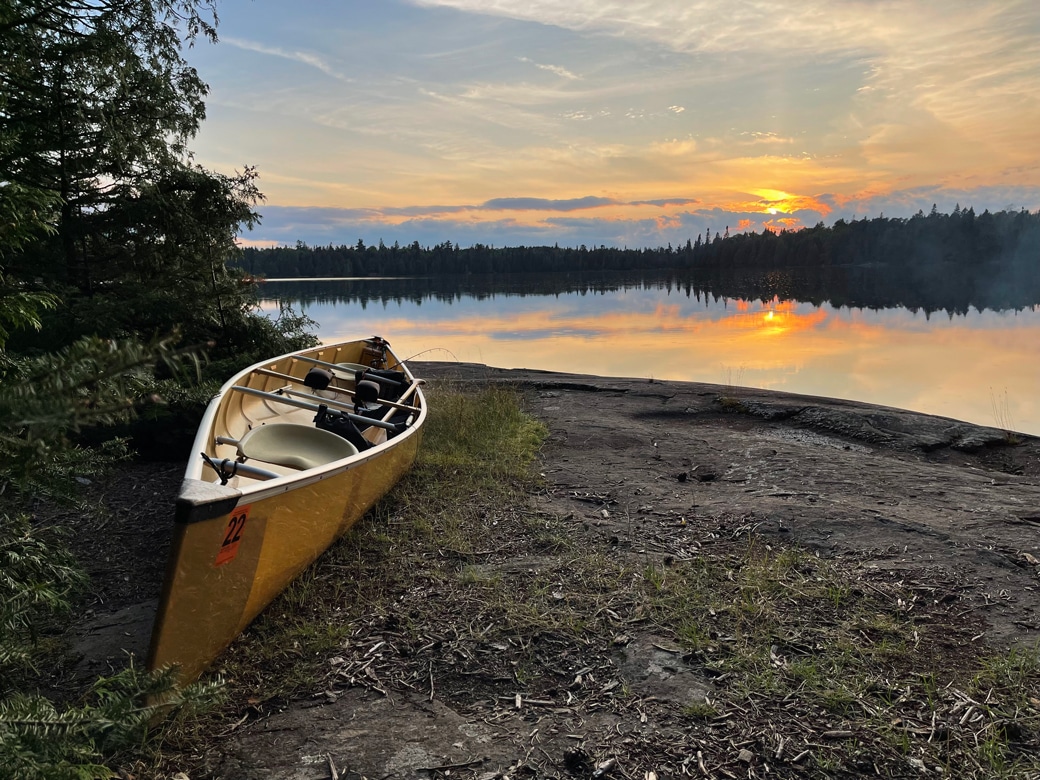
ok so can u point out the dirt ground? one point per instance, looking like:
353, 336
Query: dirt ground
635, 468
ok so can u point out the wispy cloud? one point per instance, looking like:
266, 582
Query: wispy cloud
542, 204
665, 202
758, 137
556, 69
301, 57
973, 67
621, 122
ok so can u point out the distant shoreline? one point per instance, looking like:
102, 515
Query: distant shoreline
331, 279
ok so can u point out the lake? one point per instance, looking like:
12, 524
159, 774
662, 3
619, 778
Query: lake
783, 332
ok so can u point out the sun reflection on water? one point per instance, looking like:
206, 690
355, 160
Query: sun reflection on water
893, 357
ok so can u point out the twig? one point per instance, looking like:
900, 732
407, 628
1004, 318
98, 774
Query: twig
519, 701
462, 765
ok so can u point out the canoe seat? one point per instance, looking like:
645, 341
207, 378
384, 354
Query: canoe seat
294, 446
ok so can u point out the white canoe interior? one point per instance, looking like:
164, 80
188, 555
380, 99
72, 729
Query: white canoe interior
262, 426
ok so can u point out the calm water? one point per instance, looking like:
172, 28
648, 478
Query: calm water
974, 363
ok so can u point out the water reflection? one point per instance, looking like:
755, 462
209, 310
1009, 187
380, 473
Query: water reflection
979, 365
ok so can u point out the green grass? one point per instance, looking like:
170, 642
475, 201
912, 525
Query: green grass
1003, 418
475, 456
730, 403
700, 711
785, 627
455, 567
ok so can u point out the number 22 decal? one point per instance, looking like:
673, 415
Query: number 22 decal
232, 536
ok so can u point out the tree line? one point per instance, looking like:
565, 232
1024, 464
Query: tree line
117, 307
958, 239
869, 287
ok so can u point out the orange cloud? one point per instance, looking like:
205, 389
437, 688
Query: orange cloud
785, 223
779, 202
666, 221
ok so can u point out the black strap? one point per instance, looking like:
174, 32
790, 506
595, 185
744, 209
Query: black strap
221, 468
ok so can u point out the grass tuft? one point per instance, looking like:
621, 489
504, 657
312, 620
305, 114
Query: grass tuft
1001, 406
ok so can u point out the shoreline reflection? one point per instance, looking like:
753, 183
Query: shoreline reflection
966, 366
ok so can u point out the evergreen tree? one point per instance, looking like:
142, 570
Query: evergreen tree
97, 198
97, 110
98, 100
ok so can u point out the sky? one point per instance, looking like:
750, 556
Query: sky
637, 123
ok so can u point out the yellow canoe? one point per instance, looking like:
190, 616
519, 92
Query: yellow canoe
267, 490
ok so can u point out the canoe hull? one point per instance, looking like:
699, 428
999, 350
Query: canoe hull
235, 549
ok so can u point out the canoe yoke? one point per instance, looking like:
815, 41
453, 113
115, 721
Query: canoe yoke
293, 445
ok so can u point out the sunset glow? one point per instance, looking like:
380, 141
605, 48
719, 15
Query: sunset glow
775, 345
636, 124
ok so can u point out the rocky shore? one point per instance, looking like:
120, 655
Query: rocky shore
932, 513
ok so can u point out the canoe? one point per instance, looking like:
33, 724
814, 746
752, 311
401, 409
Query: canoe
289, 455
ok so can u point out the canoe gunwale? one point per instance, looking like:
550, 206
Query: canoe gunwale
190, 501
199, 500
274, 487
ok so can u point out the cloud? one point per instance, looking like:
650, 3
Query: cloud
461, 102
971, 67
302, 57
583, 115
674, 147
909, 201
542, 204
760, 137
558, 70
665, 202
637, 223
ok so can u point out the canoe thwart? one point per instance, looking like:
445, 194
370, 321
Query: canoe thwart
370, 374
337, 388
281, 398
356, 369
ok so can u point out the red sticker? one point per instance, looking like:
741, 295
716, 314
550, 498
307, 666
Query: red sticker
233, 536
